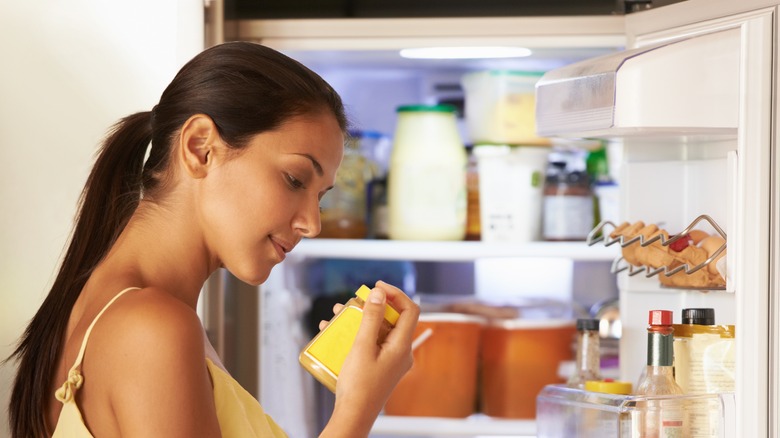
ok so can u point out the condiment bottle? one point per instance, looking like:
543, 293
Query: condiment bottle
473, 222
324, 355
660, 418
704, 362
704, 353
427, 178
588, 354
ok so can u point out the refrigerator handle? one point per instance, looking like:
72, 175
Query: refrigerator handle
214, 310
214, 26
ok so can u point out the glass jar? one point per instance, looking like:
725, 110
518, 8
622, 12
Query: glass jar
324, 355
567, 204
344, 207
427, 176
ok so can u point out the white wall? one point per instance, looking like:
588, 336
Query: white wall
68, 70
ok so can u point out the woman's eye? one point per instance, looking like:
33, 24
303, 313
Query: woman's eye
294, 182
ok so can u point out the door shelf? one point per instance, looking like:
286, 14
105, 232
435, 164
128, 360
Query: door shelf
475, 425
461, 251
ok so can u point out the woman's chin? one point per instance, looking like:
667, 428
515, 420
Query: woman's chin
252, 277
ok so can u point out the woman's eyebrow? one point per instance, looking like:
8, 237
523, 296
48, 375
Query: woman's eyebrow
314, 163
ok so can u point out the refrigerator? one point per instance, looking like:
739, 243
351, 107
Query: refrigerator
687, 92
70, 70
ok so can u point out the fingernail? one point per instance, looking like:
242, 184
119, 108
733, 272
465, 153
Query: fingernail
376, 296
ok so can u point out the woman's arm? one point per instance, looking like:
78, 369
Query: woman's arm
371, 371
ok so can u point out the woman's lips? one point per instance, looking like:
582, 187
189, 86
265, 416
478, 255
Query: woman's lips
280, 249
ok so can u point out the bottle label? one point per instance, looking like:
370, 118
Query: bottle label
427, 200
671, 424
331, 346
567, 217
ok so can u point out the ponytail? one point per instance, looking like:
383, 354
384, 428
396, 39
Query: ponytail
110, 196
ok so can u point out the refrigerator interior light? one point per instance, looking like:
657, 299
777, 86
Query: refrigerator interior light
465, 52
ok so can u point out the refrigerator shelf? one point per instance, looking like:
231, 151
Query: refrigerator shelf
452, 251
600, 234
475, 425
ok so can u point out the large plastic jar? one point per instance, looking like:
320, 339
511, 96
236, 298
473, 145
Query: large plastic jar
427, 176
510, 192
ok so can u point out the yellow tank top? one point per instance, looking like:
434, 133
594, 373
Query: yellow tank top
239, 414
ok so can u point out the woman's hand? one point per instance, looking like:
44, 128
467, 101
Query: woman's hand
371, 371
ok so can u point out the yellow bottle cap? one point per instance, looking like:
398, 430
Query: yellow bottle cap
608, 386
391, 315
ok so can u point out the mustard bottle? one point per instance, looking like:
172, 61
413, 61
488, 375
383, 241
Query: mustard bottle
324, 355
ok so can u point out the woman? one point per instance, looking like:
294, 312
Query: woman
244, 143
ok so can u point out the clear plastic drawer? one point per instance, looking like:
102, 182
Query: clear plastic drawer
567, 412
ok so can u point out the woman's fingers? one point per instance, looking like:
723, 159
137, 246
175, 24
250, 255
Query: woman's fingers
337, 308
372, 320
409, 313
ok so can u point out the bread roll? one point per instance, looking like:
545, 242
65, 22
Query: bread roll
711, 244
655, 255
697, 236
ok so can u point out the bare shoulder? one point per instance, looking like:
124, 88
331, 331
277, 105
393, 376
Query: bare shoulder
147, 351
152, 315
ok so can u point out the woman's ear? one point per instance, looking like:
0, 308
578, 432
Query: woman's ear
198, 141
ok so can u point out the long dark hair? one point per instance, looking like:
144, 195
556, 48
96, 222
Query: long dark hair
246, 89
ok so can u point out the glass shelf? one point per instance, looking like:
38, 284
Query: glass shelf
475, 425
463, 251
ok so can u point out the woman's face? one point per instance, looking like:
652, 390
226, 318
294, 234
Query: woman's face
260, 203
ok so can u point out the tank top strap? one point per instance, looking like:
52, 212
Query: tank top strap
80, 356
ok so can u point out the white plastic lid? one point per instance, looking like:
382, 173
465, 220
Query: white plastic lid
451, 317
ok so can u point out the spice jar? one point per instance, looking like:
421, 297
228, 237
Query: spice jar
427, 178
588, 354
324, 356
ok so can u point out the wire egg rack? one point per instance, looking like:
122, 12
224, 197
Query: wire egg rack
603, 231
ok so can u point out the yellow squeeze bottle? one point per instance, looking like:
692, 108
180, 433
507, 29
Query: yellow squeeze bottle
324, 355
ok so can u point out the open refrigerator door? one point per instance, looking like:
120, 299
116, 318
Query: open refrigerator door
692, 104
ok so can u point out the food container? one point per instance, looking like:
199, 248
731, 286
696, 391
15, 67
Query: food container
426, 192
443, 379
519, 357
500, 107
510, 192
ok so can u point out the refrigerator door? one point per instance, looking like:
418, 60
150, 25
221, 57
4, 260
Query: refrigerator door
648, 90
695, 90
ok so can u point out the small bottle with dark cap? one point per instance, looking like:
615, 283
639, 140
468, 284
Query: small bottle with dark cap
588, 354
699, 316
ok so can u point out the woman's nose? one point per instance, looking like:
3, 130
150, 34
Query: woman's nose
307, 220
